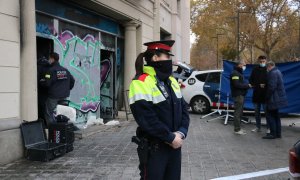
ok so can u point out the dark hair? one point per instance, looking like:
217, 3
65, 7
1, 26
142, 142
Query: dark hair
54, 55
262, 57
139, 62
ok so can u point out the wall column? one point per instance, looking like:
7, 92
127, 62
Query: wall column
28, 61
156, 21
130, 53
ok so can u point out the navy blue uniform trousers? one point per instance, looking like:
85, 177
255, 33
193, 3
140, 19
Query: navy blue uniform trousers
163, 164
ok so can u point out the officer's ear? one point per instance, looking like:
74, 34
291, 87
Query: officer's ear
155, 58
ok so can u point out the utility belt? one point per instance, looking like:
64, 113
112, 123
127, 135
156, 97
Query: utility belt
145, 147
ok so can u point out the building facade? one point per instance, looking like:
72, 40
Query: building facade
97, 40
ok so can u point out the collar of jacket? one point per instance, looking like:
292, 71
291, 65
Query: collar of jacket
55, 63
149, 70
273, 69
238, 69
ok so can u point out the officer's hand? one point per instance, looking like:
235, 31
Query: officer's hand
177, 142
178, 134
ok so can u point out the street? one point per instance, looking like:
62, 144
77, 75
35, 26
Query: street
211, 150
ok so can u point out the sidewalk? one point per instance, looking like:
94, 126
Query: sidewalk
211, 150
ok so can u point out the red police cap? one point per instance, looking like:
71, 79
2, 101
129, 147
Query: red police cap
164, 46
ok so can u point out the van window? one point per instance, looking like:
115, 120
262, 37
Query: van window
213, 77
202, 77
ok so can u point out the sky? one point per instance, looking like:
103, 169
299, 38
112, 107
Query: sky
192, 38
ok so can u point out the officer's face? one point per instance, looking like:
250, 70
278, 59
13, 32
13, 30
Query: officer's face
241, 65
51, 60
162, 57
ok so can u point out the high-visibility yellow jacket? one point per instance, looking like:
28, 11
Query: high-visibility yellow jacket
158, 107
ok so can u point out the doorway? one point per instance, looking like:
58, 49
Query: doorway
107, 85
44, 47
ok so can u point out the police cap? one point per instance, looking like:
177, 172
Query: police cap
163, 46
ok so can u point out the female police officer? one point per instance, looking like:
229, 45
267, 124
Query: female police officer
160, 112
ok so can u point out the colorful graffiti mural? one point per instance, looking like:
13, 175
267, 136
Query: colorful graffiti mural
82, 58
89, 60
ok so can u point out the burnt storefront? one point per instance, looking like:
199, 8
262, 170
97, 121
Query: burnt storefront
91, 47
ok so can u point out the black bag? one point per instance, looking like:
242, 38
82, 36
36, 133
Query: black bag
62, 133
36, 146
62, 118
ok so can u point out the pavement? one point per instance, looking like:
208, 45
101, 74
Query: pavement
211, 150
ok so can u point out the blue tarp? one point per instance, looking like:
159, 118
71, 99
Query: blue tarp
291, 78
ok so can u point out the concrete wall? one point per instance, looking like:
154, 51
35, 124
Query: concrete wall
10, 60
185, 29
142, 11
10, 138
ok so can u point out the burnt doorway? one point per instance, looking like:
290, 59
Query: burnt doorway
107, 85
44, 47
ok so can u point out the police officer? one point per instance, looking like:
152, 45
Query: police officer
238, 92
59, 82
160, 112
43, 66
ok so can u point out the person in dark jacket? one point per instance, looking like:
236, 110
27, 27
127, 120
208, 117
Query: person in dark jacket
258, 80
276, 99
59, 81
238, 92
160, 112
43, 66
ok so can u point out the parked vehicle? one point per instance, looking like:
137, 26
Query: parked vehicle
201, 90
183, 70
294, 160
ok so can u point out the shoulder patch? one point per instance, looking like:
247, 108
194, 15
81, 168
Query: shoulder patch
235, 78
143, 77
48, 76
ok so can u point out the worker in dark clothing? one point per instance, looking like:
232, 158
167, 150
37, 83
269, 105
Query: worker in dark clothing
43, 66
275, 100
238, 92
59, 82
258, 79
160, 112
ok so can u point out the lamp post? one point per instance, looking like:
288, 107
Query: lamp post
217, 37
238, 32
299, 28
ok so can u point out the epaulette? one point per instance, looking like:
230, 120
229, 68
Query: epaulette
141, 77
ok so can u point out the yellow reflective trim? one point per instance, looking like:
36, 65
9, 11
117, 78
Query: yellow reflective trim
176, 87
149, 70
235, 77
48, 76
138, 87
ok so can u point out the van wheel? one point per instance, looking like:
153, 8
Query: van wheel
200, 105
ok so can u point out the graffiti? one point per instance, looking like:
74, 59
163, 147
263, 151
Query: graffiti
42, 28
82, 58
105, 70
90, 62
106, 84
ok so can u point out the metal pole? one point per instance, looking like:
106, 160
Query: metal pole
251, 53
299, 30
217, 51
238, 35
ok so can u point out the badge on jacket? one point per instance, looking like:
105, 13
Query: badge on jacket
163, 90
